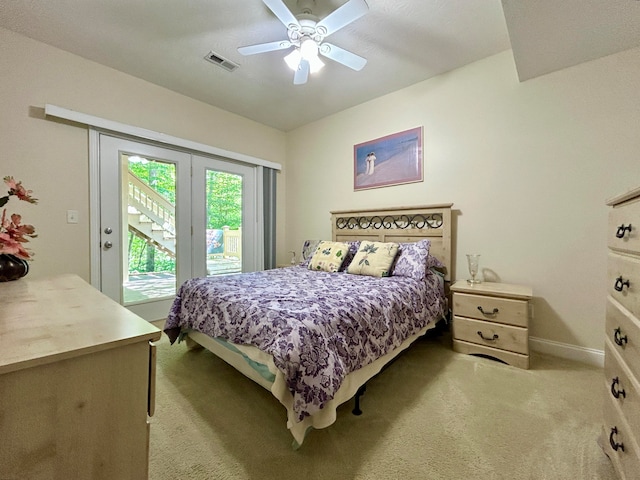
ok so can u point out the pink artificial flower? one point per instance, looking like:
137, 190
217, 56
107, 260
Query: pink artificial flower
13, 234
10, 246
16, 188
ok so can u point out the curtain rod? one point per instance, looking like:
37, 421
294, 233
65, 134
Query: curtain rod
85, 119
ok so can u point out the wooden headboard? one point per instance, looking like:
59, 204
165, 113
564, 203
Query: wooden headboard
400, 224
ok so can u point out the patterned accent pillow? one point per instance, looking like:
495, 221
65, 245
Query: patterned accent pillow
328, 256
354, 245
374, 259
412, 260
433, 262
308, 249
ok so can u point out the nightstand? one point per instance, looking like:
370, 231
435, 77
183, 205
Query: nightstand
492, 319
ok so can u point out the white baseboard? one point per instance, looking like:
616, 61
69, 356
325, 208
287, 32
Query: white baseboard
589, 356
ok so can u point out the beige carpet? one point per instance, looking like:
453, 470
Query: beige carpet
433, 414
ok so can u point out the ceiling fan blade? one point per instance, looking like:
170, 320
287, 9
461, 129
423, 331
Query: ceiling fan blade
340, 55
264, 47
283, 13
302, 73
344, 15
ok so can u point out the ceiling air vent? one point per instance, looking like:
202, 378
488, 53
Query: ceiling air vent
221, 61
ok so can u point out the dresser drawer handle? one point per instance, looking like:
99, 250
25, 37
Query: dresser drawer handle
615, 391
614, 444
619, 338
622, 229
493, 339
495, 311
620, 284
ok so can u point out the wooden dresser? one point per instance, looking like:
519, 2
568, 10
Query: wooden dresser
621, 435
492, 319
77, 380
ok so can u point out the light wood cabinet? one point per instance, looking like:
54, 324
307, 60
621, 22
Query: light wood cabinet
621, 433
77, 377
492, 319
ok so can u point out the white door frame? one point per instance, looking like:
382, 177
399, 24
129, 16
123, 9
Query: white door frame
95, 203
113, 260
97, 124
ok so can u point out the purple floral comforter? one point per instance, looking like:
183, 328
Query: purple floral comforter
317, 326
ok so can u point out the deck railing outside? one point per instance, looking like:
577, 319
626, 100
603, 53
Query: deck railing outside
232, 241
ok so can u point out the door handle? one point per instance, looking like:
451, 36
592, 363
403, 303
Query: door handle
108, 244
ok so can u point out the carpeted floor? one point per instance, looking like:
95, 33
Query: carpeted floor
433, 414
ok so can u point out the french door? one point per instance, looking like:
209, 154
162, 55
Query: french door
169, 215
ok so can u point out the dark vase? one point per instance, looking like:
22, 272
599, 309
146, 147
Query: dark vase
12, 268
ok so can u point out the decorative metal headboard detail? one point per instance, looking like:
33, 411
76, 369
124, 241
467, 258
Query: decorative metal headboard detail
399, 224
387, 222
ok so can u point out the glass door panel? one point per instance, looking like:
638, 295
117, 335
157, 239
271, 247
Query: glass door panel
223, 210
224, 217
150, 264
145, 202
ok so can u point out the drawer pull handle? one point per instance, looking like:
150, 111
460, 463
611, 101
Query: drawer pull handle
493, 339
620, 284
617, 392
622, 229
615, 445
495, 311
619, 338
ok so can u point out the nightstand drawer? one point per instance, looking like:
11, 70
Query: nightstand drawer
493, 309
503, 337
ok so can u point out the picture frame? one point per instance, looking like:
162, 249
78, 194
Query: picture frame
394, 159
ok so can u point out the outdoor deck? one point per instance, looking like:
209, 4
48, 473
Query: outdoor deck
149, 286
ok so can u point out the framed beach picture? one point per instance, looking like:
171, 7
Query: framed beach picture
391, 160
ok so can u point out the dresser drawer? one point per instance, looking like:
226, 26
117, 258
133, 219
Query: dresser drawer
623, 281
503, 337
623, 331
622, 387
619, 443
500, 310
619, 237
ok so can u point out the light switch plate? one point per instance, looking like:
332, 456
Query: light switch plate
72, 216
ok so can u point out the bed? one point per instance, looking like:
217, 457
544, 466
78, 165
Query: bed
312, 337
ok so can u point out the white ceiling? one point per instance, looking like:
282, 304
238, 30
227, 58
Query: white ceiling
405, 42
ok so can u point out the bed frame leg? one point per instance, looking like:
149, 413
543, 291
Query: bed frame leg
356, 410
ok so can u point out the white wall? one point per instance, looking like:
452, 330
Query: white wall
528, 167
51, 157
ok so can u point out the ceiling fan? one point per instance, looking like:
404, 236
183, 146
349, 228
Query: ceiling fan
307, 33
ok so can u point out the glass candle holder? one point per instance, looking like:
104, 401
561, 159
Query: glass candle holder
473, 260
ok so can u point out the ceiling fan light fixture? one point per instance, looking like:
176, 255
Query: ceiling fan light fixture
307, 37
293, 59
315, 64
308, 48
